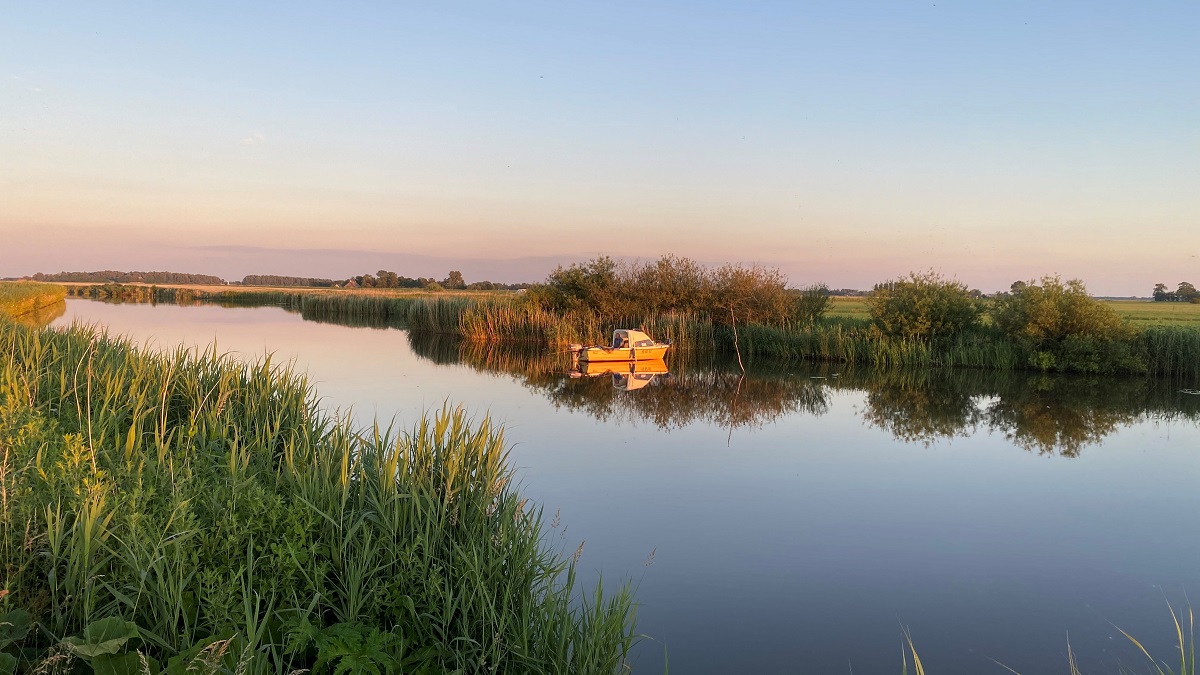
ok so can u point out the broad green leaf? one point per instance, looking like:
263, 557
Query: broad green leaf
106, 636
118, 664
8, 664
14, 626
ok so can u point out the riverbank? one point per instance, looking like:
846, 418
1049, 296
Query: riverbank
1167, 348
191, 509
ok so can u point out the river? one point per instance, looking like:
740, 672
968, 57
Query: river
803, 517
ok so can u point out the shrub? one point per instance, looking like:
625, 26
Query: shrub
924, 306
671, 284
811, 303
754, 294
1064, 327
592, 285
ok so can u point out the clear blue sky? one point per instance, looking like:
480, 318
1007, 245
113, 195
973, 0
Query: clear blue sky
847, 142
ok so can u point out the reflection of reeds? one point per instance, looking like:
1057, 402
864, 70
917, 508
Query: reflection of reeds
1048, 414
21, 298
198, 497
42, 316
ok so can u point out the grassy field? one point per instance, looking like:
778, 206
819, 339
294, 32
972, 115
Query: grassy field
1141, 312
850, 308
188, 513
1149, 313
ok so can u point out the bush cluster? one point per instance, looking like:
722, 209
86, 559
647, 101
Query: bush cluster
1055, 323
675, 285
1064, 328
924, 306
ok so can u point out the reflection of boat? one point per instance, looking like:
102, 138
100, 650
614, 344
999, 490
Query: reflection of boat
627, 345
627, 375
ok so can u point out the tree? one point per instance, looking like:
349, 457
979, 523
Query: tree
1161, 293
1186, 292
924, 306
455, 280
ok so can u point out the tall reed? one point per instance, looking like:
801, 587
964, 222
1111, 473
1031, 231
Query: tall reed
210, 501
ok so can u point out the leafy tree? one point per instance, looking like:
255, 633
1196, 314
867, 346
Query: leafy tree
924, 306
1161, 293
1186, 292
454, 280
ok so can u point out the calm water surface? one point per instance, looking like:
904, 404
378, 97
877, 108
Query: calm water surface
798, 519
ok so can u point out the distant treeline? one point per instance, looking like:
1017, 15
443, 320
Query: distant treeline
112, 276
1185, 293
381, 279
276, 280
453, 281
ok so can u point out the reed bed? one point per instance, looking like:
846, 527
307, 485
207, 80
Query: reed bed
192, 511
1172, 351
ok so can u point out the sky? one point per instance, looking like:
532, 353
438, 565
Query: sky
842, 142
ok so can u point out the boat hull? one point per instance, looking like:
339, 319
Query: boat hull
600, 354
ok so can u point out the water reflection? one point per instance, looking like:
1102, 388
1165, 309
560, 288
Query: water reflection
625, 375
696, 388
1046, 414
43, 316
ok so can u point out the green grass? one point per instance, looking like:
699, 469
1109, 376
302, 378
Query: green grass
199, 509
1147, 313
22, 298
849, 308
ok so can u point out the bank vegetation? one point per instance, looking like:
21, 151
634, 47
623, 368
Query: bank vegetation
184, 512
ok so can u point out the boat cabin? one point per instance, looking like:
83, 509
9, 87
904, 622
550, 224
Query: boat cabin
624, 339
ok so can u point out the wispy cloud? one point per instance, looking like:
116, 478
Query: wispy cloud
254, 138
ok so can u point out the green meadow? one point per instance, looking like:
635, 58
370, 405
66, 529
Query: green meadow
1150, 313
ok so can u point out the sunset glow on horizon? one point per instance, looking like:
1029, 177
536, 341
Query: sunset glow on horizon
846, 143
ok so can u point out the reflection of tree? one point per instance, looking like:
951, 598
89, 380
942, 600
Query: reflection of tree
720, 397
1059, 415
694, 391
1053, 415
1049, 414
917, 406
